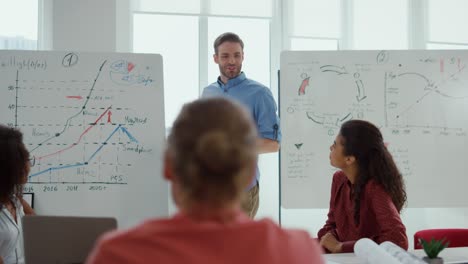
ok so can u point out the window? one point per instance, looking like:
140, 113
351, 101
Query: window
335, 24
178, 44
447, 21
18, 24
313, 44
257, 8
446, 46
187, 44
173, 6
314, 24
380, 24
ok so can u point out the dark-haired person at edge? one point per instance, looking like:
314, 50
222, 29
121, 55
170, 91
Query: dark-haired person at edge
14, 170
210, 158
233, 83
367, 193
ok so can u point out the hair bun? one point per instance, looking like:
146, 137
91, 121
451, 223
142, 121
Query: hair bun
218, 153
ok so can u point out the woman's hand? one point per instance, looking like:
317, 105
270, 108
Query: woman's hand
27, 209
330, 242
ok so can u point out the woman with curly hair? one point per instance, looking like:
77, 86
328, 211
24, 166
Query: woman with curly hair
367, 192
14, 170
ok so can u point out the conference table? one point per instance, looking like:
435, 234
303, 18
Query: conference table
450, 255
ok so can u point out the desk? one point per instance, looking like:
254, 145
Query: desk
450, 255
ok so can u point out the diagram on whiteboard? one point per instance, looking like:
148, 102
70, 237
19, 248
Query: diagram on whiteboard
77, 130
91, 122
418, 99
438, 84
310, 103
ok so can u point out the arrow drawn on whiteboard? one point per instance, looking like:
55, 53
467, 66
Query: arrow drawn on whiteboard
132, 138
298, 146
339, 121
315, 119
79, 97
130, 66
429, 83
361, 92
109, 114
303, 86
333, 68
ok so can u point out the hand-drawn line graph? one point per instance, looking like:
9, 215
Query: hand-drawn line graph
410, 95
76, 130
87, 162
67, 123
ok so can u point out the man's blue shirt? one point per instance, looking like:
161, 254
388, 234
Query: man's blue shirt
257, 98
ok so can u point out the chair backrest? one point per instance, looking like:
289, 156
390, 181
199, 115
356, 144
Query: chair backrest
457, 237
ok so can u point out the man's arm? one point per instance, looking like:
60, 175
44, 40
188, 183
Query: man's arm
265, 145
267, 122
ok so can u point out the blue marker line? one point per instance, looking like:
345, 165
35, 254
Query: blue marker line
68, 166
129, 135
39, 173
103, 143
92, 156
55, 168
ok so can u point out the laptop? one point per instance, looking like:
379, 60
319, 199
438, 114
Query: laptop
62, 239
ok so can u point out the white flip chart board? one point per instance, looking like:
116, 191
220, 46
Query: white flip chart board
419, 100
94, 126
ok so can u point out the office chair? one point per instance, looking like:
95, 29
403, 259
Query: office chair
457, 237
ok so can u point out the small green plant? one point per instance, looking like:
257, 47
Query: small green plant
433, 247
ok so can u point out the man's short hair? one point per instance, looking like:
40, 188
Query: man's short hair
227, 37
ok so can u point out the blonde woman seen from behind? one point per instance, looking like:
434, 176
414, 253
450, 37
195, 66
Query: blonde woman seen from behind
210, 159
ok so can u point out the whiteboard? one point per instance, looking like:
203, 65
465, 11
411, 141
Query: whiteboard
94, 126
419, 100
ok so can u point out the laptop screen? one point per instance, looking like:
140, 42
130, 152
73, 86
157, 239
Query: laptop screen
62, 239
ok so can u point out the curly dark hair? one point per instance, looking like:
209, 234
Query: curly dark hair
13, 163
364, 141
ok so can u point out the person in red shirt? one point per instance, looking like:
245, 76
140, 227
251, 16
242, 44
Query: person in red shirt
367, 193
210, 159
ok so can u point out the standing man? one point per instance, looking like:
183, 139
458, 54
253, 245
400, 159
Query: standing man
232, 83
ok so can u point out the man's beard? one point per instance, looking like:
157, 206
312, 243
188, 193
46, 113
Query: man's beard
230, 74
